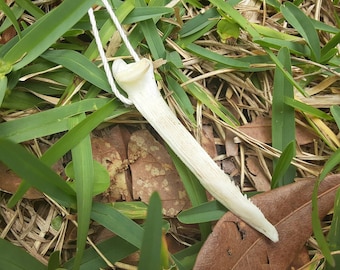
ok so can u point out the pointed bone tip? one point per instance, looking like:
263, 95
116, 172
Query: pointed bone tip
270, 232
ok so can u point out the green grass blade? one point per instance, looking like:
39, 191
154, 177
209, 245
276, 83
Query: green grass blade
187, 256
151, 35
206, 212
36, 173
307, 109
282, 165
114, 249
302, 23
333, 161
206, 98
41, 35
47, 122
196, 27
30, 8
144, 13
3, 88
333, 235
70, 139
182, 98
84, 179
288, 75
80, 65
150, 257
53, 261
10, 15
283, 119
215, 57
17, 11
294, 47
117, 223
335, 110
15, 258
236, 16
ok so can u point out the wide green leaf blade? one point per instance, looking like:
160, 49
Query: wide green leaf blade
215, 57
279, 177
144, 13
84, 179
333, 161
41, 35
114, 249
36, 173
152, 239
302, 23
10, 15
335, 110
333, 235
206, 212
283, 119
307, 109
80, 65
31, 8
117, 223
47, 122
3, 88
70, 139
15, 258
151, 35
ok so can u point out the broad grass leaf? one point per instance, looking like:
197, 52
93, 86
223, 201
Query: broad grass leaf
333, 235
288, 208
215, 57
209, 211
11, 16
36, 173
144, 13
283, 121
151, 35
282, 165
305, 108
302, 23
152, 239
335, 110
333, 161
196, 27
84, 181
47, 122
101, 177
119, 224
15, 258
114, 249
42, 34
80, 65
30, 8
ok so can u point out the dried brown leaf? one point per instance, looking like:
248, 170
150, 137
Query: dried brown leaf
235, 245
9, 182
260, 129
208, 140
152, 170
257, 174
105, 152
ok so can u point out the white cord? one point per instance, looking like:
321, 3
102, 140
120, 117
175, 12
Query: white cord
104, 59
121, 31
